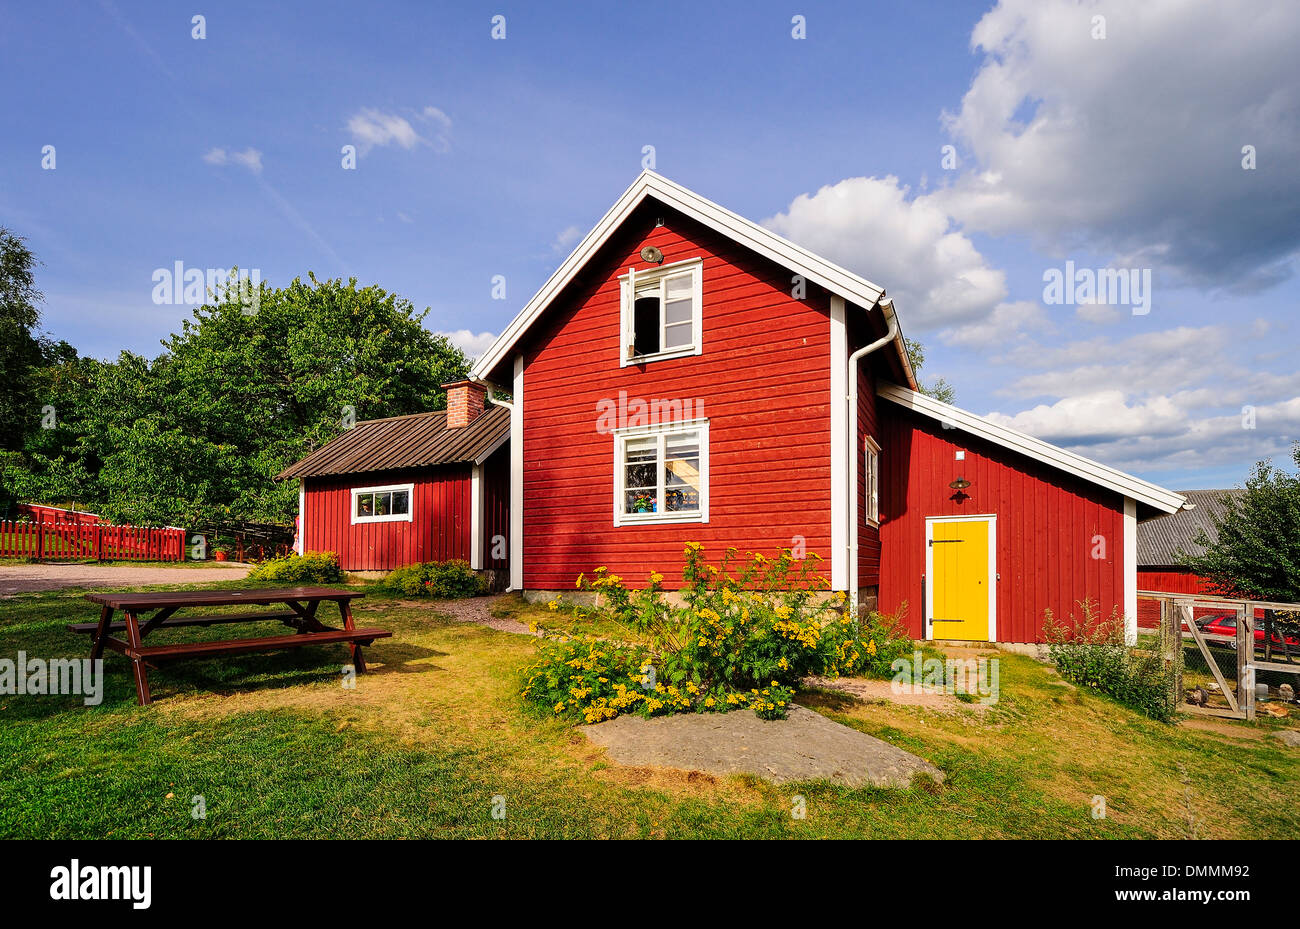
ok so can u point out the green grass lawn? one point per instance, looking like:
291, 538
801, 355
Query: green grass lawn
278, 748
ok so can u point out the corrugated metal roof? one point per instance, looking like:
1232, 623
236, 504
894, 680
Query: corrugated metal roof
1159, 539
415, 441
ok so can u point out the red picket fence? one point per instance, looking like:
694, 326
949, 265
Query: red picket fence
102, 543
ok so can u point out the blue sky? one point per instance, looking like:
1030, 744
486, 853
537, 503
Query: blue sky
480, 157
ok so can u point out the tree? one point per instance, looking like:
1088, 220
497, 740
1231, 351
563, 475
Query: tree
940, 390
1257, 552
198, 434
20, 349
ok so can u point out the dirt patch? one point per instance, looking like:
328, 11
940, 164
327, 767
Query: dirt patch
870, 690
33, 578
805, 747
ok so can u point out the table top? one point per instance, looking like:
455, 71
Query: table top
125, 600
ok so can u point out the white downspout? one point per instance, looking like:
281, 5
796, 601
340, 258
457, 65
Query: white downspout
886, 305
515, 455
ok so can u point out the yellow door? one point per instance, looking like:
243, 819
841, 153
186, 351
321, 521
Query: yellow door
959, 566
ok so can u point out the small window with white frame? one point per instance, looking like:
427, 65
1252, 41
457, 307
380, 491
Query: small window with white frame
661, 312
386, 504
872, 476
661, 474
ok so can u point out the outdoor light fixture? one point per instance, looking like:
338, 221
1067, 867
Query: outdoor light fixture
960, 484
652, 255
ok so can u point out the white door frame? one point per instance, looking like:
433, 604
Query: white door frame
992, 520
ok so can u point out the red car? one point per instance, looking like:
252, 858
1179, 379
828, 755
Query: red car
1225, 624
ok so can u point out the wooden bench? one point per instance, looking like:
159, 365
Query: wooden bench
161, 608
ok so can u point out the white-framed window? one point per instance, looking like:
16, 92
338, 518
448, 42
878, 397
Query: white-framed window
661, 473
386, 504
872, 475
661, 312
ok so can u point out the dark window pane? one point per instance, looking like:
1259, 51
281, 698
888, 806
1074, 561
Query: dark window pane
645, 325
401, 502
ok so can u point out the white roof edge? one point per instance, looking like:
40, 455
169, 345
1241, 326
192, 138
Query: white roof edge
747, 233
1126, 485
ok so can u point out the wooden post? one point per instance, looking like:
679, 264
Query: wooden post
1246, 659
40, 541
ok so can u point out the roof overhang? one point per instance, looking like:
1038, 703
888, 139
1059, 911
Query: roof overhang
751, 235
1144, 492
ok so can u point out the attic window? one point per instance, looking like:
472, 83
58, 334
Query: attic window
662, 317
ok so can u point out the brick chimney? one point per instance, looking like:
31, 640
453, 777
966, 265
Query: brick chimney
464, 402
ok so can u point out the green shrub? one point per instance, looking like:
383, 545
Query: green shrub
311, 568
1091, 653
748, 631
441, 580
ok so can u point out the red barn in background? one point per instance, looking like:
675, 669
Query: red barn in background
687, 375
425, 487
1161, 540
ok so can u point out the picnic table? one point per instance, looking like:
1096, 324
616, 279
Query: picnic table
143, 613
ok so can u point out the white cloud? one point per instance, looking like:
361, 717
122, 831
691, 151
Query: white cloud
470, 343
908, 246
249, 158
373, 128
1006, 323
564, 242
1105, 414
1131, 146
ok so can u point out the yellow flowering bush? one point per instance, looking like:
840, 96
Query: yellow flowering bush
748, 630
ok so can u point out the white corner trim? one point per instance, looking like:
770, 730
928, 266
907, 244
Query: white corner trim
1124, 484
1130, 571
818, 270
516, 546
476, 518
406, 517
841, 494
301, 547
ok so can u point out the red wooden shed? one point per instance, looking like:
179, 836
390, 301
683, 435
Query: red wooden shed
407, 489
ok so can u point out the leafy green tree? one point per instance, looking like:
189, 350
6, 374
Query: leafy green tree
940, 390
1257, 552
20, 348
197, 435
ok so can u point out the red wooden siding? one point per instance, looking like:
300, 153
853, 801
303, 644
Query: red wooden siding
1169, 580
439, 529
1046, 524
763, 380
496, 505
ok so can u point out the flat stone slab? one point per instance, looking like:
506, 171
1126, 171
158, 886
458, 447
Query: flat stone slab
805, 747
1288, 737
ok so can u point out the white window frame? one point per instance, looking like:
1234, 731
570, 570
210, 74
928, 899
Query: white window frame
406, 517
627, 284
872, 474
662, 431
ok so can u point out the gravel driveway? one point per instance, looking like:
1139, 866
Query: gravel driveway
29, 578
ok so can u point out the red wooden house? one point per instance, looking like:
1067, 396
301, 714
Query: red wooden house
687, 375
426, 487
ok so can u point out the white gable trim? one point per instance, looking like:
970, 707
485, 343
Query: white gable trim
749, 234
1124, 484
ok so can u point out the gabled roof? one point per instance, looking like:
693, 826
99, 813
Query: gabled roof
416, 441
1159, 540
1154, 496
832, 277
